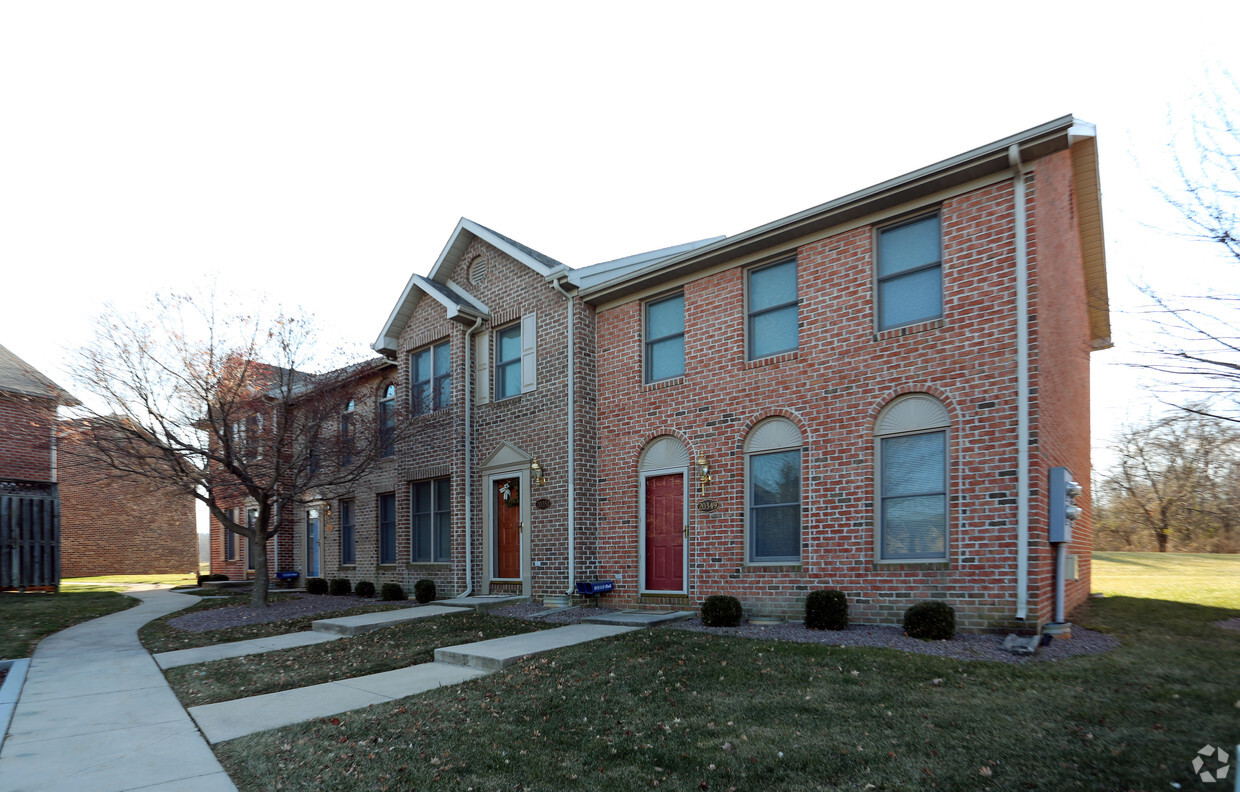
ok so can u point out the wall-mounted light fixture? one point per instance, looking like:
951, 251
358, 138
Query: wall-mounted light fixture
703, 472
536, 471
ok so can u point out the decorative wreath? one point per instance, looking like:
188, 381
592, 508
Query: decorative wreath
511, 490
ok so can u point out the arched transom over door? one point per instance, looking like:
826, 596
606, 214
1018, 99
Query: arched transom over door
664, 471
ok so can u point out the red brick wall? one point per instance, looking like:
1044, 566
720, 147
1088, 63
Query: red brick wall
1061, 377
26, 437
833, 387
114, 524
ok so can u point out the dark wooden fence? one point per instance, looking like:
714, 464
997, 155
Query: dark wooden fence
29, 535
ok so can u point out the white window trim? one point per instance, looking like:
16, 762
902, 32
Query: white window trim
646, 340
749, 357
929, 415
762, 440
876, 246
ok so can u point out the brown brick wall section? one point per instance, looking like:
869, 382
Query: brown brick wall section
26, 424
114, 525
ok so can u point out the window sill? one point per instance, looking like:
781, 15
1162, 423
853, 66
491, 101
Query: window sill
911, 329
771, 360
420, 564
670, 382
912, 564
772, 566
387, 566
348, 566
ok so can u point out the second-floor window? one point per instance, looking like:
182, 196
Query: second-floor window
387, 421
346, 434
910, 272
772, 309
665, 338
253, 436
430, 379
508, 362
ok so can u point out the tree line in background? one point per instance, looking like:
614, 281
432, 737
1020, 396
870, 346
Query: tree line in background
1174, 487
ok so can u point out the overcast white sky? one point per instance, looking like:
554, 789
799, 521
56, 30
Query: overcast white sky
321, 152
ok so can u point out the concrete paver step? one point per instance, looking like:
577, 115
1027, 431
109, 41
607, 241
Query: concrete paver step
204, 654
498, 653
486, 602
640, 618
228, 720
365, 622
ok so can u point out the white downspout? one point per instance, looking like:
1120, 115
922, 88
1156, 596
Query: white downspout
572, 438
1022, 384
469, 455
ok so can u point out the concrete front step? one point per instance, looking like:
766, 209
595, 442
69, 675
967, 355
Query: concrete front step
365, 622
498, 653
634, 618
228, 720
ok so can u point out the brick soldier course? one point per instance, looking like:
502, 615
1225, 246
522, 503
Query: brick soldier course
836, 387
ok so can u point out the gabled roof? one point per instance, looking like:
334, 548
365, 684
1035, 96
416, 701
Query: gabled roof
18, 376
460, 304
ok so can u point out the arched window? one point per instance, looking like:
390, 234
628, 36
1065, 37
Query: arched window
387, 421
773, 492
346, 435
911, 450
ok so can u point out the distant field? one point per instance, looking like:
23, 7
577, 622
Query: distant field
1200, 578
172, 580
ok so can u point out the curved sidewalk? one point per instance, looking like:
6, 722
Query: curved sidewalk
96, 714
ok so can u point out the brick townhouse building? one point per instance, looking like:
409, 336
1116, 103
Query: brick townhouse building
108, 523
867, 395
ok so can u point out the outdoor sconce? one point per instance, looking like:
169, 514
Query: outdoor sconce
703, 472
536, 471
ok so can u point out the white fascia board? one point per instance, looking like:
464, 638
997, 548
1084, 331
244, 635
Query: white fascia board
469, 299
455, 249
389, 337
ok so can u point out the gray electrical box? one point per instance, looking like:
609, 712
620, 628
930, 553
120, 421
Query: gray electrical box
1063, 509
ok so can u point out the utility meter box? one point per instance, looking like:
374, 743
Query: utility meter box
1063, 508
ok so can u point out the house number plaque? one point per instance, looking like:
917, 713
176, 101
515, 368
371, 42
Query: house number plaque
542, 503
708, 505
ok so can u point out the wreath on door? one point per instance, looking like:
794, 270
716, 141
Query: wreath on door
511, 491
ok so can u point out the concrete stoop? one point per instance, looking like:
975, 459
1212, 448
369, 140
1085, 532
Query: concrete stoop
486, 602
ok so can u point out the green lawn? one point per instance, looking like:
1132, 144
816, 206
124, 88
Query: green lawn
678, 710
1201, 578
26, 618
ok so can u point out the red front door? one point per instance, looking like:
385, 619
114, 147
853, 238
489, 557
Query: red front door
665, 539
507, 533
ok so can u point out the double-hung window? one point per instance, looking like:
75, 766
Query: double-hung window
387, 529
773, 492
508, 362
348, 540
387, 422
230, 538
346, 434
910, 272
431, 504
430, 379
665, 338
772, 311
911, 435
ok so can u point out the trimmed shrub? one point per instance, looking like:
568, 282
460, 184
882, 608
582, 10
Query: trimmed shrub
316, 586
364, 588
424, 591
826, 610
391, 591
721, 610
339, 587
203, 579
208, 578
930, 621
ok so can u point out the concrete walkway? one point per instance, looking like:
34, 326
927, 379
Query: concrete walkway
96, 714
227, 720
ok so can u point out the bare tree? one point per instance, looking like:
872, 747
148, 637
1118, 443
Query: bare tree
1199, 344
1175, 483
220, 406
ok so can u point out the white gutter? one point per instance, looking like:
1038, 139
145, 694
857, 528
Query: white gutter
469, 455
1022, 383
572, 437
